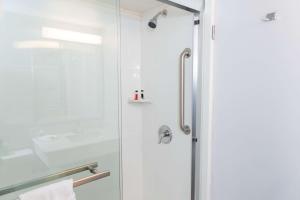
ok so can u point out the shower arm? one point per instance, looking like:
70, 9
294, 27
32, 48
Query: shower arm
183, 56
160, 13
163, 13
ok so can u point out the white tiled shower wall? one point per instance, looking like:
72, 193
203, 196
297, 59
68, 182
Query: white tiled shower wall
131, 114
149, 168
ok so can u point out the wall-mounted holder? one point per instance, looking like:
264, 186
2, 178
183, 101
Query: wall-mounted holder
138, 97
273, 16
140, 101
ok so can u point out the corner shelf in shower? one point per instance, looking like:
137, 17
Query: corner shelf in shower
141, 101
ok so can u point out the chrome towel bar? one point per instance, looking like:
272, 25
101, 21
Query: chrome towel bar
90, 167
92, 178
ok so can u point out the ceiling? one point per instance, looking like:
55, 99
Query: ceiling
139, 5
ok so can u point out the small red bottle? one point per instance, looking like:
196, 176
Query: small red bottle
136, 95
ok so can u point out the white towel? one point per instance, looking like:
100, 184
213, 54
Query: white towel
58, 191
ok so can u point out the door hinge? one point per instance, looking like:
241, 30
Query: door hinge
197, 22
213, 32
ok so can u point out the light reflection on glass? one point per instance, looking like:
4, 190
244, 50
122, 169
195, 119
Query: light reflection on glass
37, 44
72, 36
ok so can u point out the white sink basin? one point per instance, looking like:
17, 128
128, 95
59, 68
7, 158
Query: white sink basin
58, 149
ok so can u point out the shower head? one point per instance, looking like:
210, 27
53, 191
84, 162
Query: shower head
153, 22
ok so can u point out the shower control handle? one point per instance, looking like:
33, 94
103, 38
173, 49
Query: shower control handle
165, 135
183, 56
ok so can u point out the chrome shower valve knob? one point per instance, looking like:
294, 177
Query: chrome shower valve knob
165, 135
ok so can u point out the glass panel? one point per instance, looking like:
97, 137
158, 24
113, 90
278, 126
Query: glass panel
59, 91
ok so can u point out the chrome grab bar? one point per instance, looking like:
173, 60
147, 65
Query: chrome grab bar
90, 167
183, 56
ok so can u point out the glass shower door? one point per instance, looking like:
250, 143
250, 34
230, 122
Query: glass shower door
59, 93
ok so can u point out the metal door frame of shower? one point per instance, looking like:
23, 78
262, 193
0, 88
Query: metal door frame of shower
195, 157
172, 3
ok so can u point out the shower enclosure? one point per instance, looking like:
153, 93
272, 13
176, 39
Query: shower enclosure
159, 51
67, 69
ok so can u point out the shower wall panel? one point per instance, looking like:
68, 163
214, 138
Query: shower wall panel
167, 167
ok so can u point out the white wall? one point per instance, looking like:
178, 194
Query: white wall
256, 101
131, 114
204, 101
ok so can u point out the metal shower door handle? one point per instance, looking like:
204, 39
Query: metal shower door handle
183, 56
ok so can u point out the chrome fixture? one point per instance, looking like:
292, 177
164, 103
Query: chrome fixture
153, 22
180, 6
271, 17
183, 56
195, 161
165, 135
90, 167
